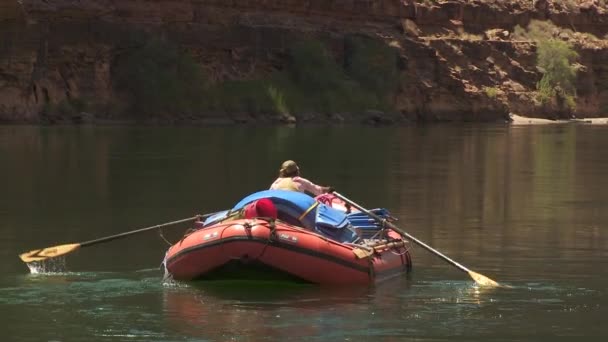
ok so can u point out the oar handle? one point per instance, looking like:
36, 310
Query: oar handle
404, 233
133, 232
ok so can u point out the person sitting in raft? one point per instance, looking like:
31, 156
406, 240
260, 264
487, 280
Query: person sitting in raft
289, 179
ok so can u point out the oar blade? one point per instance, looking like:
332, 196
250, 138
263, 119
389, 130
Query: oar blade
49, 252
361, 253
482, 280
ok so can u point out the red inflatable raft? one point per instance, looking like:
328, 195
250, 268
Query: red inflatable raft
239, 246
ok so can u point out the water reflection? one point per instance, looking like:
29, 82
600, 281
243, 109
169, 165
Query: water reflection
525, 206
279, 312
130, 305
274, 310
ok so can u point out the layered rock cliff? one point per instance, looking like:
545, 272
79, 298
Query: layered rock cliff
456, 60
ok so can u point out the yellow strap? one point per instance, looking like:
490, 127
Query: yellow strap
308, 210
232, 215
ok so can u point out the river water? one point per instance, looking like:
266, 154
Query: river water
524, 205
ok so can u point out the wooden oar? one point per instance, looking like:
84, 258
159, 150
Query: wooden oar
479, 278
363, 253
59, 250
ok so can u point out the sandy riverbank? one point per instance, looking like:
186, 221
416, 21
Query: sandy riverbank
522, 120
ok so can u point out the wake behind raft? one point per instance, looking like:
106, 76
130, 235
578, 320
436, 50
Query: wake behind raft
321, 241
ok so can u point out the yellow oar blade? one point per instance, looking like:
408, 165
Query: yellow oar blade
49, 252
482, 280
362, 253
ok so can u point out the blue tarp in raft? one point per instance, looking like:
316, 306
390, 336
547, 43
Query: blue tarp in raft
323, 219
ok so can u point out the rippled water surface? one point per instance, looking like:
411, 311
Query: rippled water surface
524, 205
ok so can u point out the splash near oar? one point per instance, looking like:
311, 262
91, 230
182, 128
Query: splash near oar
480, 279
39, 255
48, 266
483, 280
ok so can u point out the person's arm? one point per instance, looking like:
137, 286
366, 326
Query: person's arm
308, 186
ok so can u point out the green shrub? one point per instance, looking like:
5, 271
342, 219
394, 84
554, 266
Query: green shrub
314, 81
278, 100
372, 63
555, 58
538, 30
519, 32
311, 67
66, 108
159, 79
491, 92
249, 96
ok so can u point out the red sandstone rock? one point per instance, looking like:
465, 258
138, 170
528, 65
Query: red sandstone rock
52, 50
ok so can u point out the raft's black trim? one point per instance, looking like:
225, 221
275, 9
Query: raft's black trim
237, 269
278, 244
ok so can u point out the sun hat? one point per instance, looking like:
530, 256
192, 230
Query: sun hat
289, 167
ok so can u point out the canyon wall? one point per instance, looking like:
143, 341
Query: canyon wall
457, 60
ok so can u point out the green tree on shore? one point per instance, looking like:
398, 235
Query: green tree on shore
555, 59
